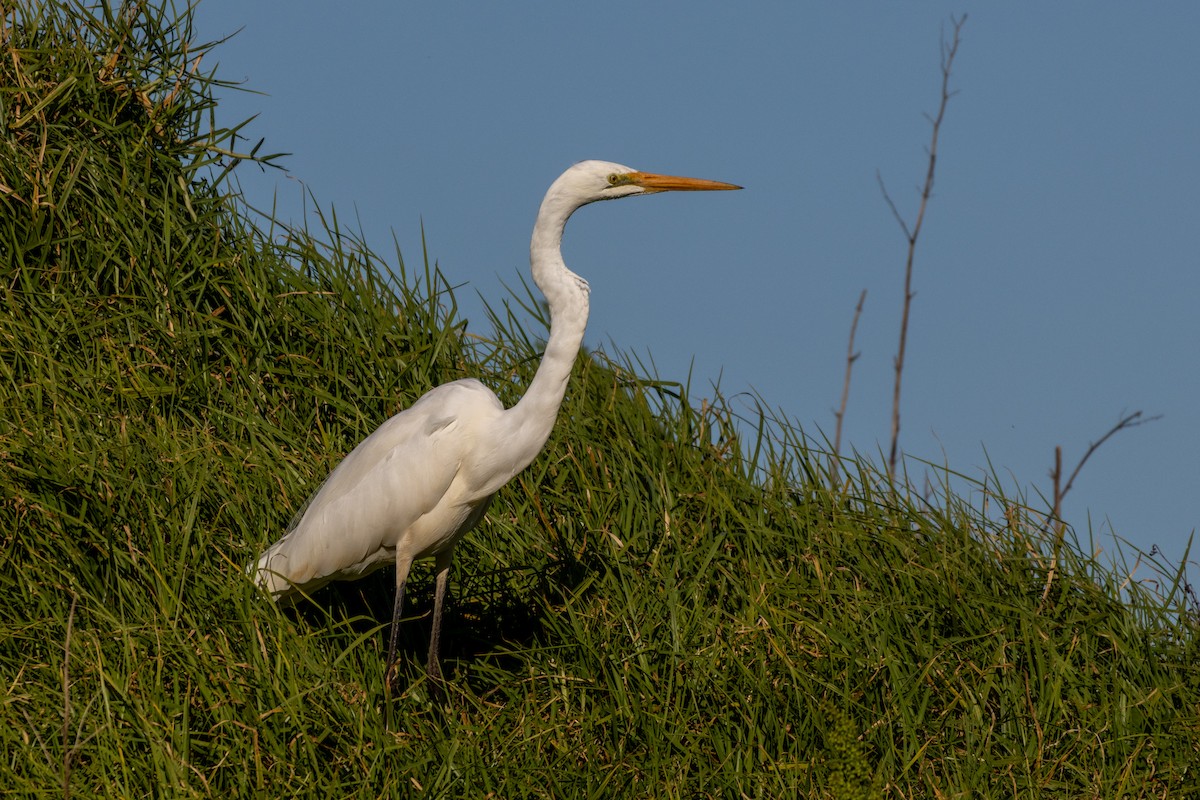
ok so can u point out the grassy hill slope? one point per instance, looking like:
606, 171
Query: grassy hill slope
656, 608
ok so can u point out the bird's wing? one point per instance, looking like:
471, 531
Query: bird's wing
395, 476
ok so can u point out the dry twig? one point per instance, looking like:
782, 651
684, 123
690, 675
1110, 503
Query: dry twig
1061, 489
948, 53
840, 414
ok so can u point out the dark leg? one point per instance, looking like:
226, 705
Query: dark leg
389, 675
434, 667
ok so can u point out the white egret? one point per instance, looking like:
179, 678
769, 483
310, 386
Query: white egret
416, 485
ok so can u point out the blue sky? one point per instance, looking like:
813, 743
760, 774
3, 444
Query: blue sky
1057, 276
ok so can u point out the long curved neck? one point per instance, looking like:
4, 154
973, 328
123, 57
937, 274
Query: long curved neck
567, 294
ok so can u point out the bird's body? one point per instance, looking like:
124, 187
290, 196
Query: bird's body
416, 485
407, 492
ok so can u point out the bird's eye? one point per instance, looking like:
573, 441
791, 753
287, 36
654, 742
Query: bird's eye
614, 179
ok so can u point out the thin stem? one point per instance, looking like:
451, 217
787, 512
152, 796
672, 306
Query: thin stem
840, 414
1127, 421
66, 689
1061, 489
913, 233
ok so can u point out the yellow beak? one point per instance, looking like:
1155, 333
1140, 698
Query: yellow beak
671, 183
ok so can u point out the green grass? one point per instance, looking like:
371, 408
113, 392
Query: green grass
657, 607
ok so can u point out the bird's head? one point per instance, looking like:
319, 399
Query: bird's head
589, 181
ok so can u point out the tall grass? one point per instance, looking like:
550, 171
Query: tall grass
655, 608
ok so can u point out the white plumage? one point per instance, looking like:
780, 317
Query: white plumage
412, 488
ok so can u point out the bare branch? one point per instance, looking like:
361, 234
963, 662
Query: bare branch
1061, 489
1056, 476
892, 206
1127, 421
949, 51
840, 414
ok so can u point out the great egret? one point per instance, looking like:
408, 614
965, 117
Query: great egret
416, 485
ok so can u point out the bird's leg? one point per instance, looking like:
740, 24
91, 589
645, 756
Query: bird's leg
389, 675
434, 667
